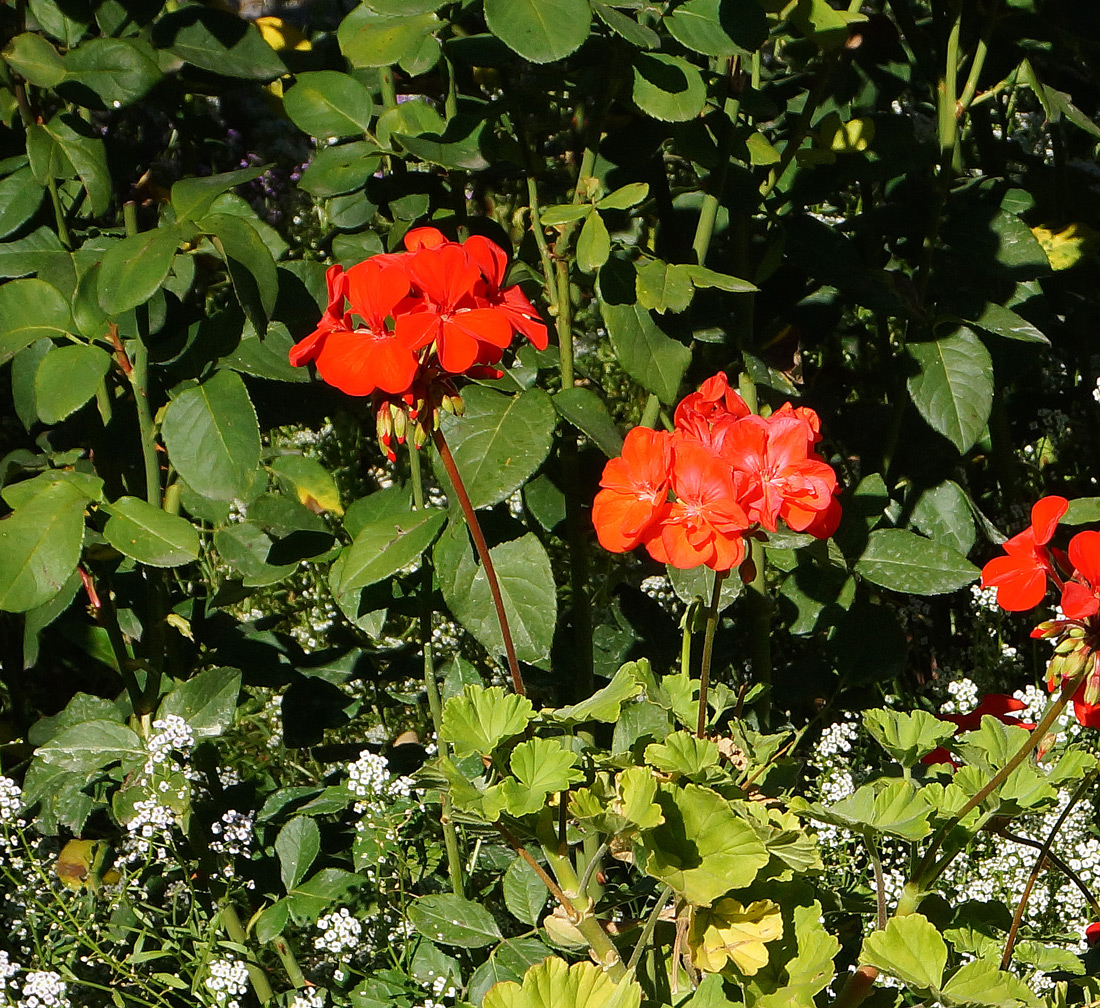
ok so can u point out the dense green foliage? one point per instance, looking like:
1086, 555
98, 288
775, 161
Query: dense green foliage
218, 602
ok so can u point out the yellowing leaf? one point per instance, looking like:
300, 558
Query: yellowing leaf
280, 35
1067, 247
553, 984
846, 137
731, 933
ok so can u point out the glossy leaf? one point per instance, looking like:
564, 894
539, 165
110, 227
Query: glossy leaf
370, 39
541, 31
906, 562
499, 441
524, 892
593, 243
134, 268
656, 361
20, 197
219, 42
40, 546
448, 919
664, 286
34, 59
207, 701
309, 481
526, 585
213, 438
667, 87
586, 411
78, 151
954, 389
341, 169
192, 198
943, 513
326, 103
716, 28
67, 377
150, 534
92, 745
118, 71
250, 265
383, 547
297, 846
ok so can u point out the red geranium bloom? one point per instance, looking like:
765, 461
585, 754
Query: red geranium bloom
1092, 933
1080, 597
492, 261
1087, 714
334, 318
358, 361
705, 522
786, 478
1020, 577
1004, 708
635, 490
702, 413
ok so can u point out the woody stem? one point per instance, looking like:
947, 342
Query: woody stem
708, 649
482, 547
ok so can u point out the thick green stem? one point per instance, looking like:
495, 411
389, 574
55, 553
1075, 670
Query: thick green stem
482, 548
431, 687
708, 649
232, 924
947, 93
651, 413
386, 84
285, 952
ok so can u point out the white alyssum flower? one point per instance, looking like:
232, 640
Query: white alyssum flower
44, 989
227, 981
340, 932
11, 800
308, 999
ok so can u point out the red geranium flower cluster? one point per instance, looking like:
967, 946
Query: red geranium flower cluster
403, 325
1004, 708
1021, 577
690, 496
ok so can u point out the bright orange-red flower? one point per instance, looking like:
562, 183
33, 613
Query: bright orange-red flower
1081, 594
1020, 576
635, 490
704, 525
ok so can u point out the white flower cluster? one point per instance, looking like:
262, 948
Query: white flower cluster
964, 697
442, 991
369, 779
340, 932
152, 823
11, 800
308, 999
173, 733
43, 989
8, 969
233, 833
985, 599
227, 981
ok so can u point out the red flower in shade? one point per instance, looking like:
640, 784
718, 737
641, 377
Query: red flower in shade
704, 524
635, 490
1020, 577
1080, 598
1004, 708
1092, 933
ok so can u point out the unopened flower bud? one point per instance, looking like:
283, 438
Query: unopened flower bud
1065, 645
1044, 746
1046, 630
1075, 661
400, 423
420, 436
1092, 681
1054, 667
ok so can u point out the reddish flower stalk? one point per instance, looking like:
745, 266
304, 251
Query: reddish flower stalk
482, 547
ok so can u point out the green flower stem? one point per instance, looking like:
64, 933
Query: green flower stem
549, 282
650, 927
232, 924
1058, 863
708, 650
583, 920
1040, 863
880, 881
389, 91
286, 956
431, 687
482, 547
947, 93
716, 181
652, 412
686, 635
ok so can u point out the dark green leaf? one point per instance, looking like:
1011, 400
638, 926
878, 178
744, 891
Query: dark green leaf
663, 287
119, 71
310, 898
247, 548
20, 197
40, 546
297, 846
82, 155
34, 59
667, 87
213, 438
451, 920
524, 892
149, 534
656, 361
500, 440
341, 169
92, 745
593, 243
326, 103
383, 547
906, 562
586, 411
192, 198
207, 701
410, 118
250, 265
637, 35
30, 310
134, 268
1002, 321
35, 253
953, 390
717, 28
540, 30
217, 41
943, 513
67, 377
